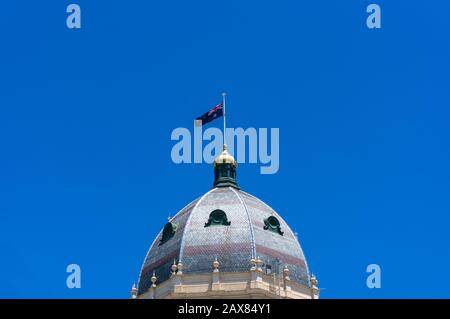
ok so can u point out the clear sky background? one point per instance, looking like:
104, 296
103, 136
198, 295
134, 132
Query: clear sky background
86, 115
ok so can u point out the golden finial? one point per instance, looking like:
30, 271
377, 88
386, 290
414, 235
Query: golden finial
225, 158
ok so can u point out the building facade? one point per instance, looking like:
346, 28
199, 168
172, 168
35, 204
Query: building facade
226, 244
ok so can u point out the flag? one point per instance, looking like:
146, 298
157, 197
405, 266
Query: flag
214, 113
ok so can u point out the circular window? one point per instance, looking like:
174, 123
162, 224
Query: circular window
271, 223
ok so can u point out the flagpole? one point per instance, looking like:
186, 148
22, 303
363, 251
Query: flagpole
224, 122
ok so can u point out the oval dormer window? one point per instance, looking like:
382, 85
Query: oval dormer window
168, 232
217, 217
271, 223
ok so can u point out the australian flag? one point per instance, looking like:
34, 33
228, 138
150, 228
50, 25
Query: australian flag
214, 113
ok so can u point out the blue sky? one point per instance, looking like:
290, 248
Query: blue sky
86, 115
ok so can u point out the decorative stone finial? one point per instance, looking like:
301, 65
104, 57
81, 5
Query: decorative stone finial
314, 281
153, 279
174, 267
253, 264
286, 273
180, 268
259, 263
133, 292
216, 265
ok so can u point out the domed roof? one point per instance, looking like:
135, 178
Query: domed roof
230, 225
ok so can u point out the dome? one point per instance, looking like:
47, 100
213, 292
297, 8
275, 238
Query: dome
231, 226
